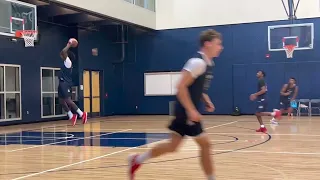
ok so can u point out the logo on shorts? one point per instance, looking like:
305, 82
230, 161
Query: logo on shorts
68, 90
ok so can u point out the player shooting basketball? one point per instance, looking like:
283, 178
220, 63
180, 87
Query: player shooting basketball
65, 83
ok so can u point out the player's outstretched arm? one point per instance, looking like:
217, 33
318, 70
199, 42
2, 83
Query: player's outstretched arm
64, 51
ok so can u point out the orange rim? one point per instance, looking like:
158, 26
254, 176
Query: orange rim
19, 33
290, 47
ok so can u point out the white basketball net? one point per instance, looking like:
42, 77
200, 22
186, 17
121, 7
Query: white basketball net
29, 37
289, 50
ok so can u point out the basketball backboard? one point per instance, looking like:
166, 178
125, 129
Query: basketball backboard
301, 35
16, 15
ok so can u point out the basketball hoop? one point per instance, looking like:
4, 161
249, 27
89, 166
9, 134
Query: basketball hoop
290, 47
289, 50
29, 37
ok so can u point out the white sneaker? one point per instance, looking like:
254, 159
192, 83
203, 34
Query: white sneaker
274, 122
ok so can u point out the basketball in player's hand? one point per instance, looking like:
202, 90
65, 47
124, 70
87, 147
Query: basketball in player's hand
73, 42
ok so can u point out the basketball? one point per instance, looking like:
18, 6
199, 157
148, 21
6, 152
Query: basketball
73, 42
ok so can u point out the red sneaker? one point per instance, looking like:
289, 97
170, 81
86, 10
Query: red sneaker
263, 130
84, 117
133, 166
278, 115
74, 119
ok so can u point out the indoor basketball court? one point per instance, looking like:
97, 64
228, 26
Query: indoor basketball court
54, 149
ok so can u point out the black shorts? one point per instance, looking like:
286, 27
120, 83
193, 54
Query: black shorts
64, 90
261, 105
285, 104
183, 126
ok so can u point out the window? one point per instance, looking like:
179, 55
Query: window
10, 92
50, 106
139, 3
147, 4
150, 4
130, 1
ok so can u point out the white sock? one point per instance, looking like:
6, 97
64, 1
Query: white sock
273, 119
262, 126
79, 112
143, 157
70, 115
273, 113
211, 177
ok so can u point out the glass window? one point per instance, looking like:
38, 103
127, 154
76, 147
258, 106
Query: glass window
49, 93
12, 78
139, 3
1, 78
147, 4
2, 108
47, 104
58, 108
130, 1
10, 104
151, 5
47, 80
56, 80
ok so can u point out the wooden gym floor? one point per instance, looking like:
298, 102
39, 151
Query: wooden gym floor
98, 150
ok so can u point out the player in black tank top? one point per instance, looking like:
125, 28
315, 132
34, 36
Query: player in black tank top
191, 90
65, 85
288, 94
261, 102
198, 88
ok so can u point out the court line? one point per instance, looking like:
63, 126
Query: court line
221, 125
40, 137
306, 135
253, 151
106, 155
274, 152
21, 149
295, 140
109, 139
218, 140
284, 176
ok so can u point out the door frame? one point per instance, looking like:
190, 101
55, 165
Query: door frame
101, 76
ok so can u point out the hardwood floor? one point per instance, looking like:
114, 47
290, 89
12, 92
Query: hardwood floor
98, 150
